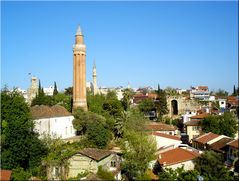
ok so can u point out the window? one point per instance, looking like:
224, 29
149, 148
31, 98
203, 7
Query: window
113, 163
195, 128
56, 171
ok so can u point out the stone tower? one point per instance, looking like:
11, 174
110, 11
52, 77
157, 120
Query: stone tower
79, 69
33, 90
95, 89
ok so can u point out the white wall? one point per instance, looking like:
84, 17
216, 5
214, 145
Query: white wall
188, 165
56, 126
162, 141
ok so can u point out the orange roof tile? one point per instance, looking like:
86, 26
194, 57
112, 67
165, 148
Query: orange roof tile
200, 116
220, 144
177, 155
206, 138
5, 175
193, 122
234, 143
166, 136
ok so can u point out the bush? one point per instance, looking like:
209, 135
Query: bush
19, 174
105, 175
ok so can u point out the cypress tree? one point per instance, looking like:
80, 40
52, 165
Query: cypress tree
55, 92
161, 103
234, 91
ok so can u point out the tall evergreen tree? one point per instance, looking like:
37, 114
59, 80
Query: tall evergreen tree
39, 88
20, 146
55, 91
161, 103
234, 91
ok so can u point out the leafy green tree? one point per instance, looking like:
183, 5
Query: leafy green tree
179, 174
20, 174
120, 124
146, 105
93, 126
111, 95
113, 107
211, 166
161, 103
63, 100
97, 135
20, 144
138, 150
127, 96
55, 91
68, 91
95, 103
225, 124
58, 154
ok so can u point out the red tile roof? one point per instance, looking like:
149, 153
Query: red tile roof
159, 127
42, 111
200, 116
166, 136
177, 155
206, 138
234, 143
5, 175
220, 144
193, 122
96, 154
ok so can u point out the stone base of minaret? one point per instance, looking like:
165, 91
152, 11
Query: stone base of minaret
80, 104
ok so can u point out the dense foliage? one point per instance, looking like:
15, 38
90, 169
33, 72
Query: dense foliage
211, 166
225, 124
138, 151
93, 126
146, 105
161, 103
63, 99
21, 147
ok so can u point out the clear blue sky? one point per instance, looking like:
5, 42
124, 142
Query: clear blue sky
175, 44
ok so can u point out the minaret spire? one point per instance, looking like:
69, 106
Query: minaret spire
95, 89
79, 69
78, 31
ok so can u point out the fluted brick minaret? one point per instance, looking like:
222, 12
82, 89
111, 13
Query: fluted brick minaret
79, 69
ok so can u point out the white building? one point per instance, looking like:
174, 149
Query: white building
186, 117
200, 92
165, 140
178, 157
55, 121
49, 90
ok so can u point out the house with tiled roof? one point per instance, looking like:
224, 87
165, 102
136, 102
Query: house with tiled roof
88, 160
233, 152
164, 140
161, 128
176, 158
55, 121
193, 129
206, 139
5, 175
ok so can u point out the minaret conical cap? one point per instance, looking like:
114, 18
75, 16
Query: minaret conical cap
78, 31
